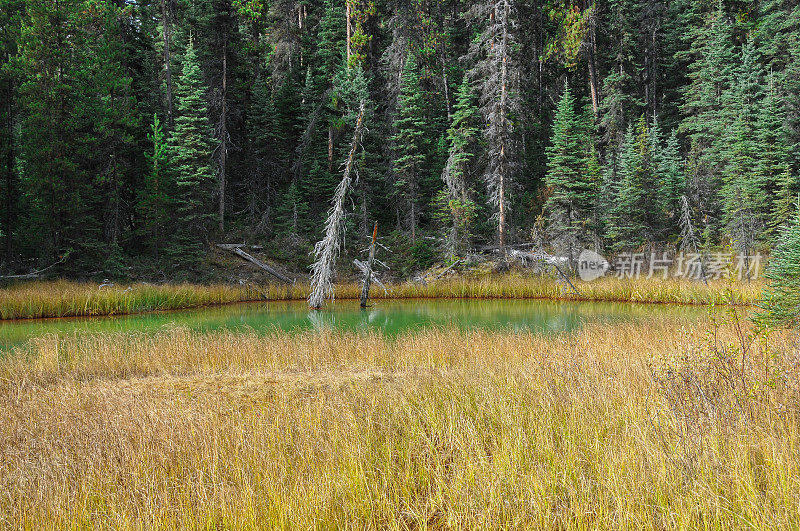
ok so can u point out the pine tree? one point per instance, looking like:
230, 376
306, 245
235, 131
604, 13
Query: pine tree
625, 226
570, 203
70, 129
772, 165
11, 22
154, 199
264, 170
190, 151
785, 198
462, 136
781, 303
710, 75
671, 184
497, 69
745, 197
410, 143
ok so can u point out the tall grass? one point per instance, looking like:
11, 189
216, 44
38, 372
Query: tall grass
69, 299
65, 299
436, 428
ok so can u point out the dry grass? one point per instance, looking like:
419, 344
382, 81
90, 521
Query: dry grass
439, 428
70, 299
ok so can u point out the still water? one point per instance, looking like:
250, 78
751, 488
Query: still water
391, 317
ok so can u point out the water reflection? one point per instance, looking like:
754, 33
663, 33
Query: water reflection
389, 317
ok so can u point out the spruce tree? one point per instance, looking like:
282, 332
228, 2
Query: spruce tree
410, 143
745, 196
190, 151
457, 207
783, 205
710, 75
154, 196
571, 192
262, 141
781, 303
671, 185
773, 162
625, 227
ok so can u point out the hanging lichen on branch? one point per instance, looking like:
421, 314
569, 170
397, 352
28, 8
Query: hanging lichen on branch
327, 250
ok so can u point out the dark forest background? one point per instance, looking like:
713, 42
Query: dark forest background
136, 133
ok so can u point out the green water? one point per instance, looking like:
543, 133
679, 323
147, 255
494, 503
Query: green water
390, 317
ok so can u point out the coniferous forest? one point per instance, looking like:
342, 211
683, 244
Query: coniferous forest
137, 133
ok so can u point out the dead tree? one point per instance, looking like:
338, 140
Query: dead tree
368, 269
497, 73
238, 251
327, 250
542, 257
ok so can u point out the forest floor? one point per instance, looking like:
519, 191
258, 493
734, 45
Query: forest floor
669, 424
40, 299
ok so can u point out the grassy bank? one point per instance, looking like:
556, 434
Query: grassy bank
626, 426
63, 299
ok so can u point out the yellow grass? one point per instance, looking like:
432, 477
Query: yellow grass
432, 429
63, 299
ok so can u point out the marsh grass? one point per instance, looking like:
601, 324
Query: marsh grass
431, 429
71, 299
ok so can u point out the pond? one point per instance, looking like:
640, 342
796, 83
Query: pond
388, 316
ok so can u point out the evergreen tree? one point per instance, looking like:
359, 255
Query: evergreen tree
264, 169
671, 183
773, 164
458, 207
69, 116
410, 143
783, 206
624, 225
11, 12
497, 69
781, 304
744, 193
190, 152
710, 75
154, 196
571, 191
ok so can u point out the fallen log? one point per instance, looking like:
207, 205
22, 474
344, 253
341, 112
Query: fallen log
36, 274
236, 248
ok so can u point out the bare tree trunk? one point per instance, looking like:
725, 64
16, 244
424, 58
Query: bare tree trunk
446, 91
592, 62
368, 272
167, 62
349, 30
503, 111
223, 133
326, 251
330, 148
413, 222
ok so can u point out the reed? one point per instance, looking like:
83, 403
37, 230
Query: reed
72, 299
435, 428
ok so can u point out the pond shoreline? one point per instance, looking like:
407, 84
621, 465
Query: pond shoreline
59, 300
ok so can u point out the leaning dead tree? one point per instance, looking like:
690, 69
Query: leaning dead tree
327, 250
236, 248
368, 268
